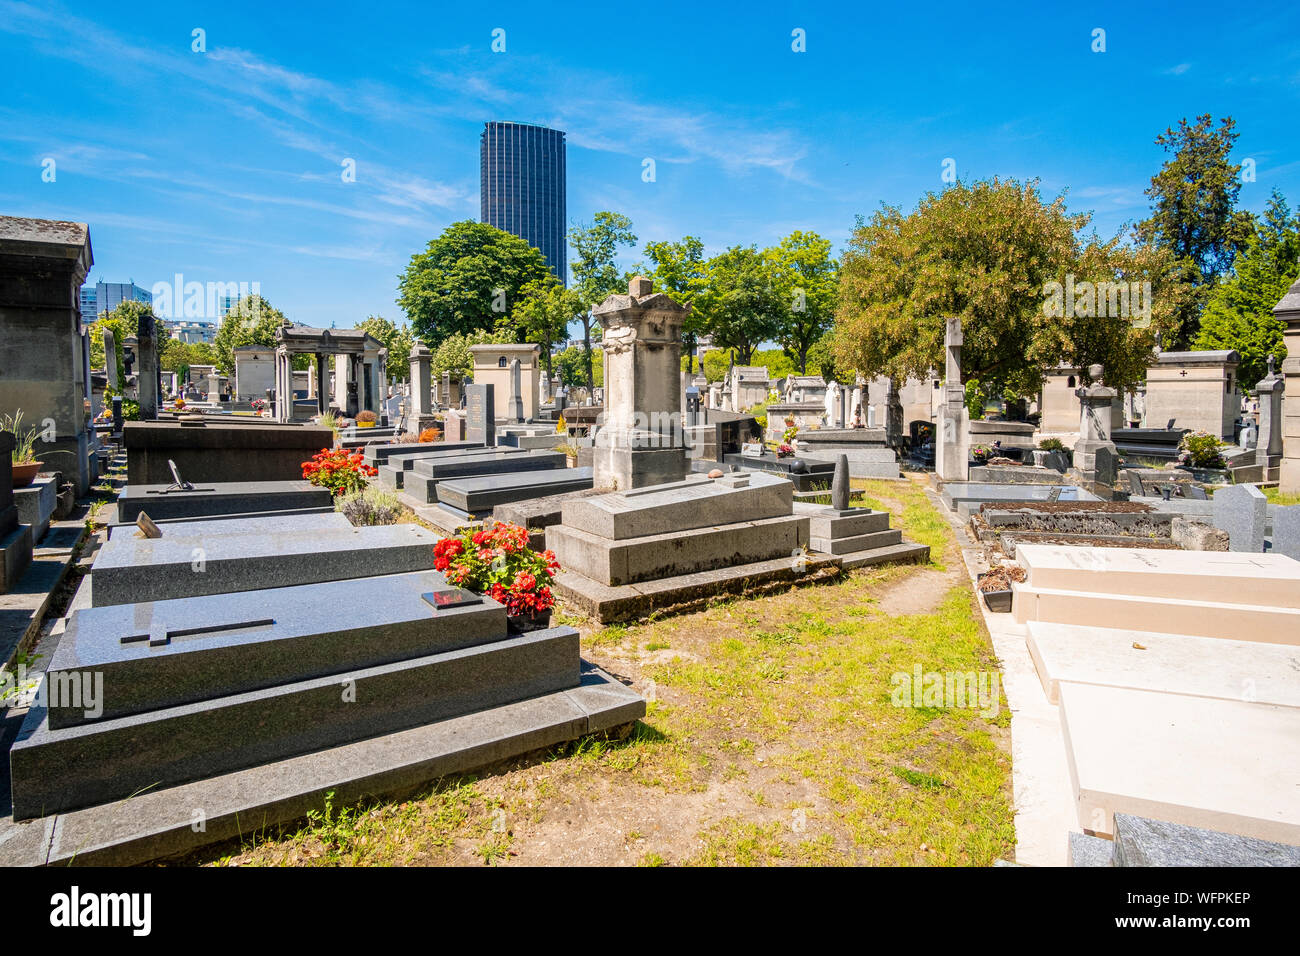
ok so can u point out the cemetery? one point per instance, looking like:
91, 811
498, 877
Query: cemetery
359, 589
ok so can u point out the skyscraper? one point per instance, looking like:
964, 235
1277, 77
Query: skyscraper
521, 187
107, 296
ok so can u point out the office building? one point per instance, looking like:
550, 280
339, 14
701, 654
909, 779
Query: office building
522, 187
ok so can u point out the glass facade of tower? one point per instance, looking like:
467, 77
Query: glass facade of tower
521, 187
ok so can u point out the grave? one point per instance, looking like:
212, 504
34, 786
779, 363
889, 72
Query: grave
211, 451
15, 537
804, 474
416, 654
422, 479
262, 524
164, 502
181, 564
493, 368
1242, 511
36, 504
378, 455
952, 445
480, 415
1288, 311
858, 536
475, 497
964, 497
1197, 389
392, 475
1286, 531
866, 449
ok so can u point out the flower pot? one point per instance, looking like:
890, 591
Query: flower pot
365, 424
528, 621
25, 473
996, 600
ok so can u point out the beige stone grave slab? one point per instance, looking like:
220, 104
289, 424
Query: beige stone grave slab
1223, 765
1168, 663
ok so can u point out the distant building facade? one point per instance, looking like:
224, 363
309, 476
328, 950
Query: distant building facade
522, 187
192, 332
107, 296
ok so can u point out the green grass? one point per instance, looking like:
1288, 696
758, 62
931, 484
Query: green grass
1276, 497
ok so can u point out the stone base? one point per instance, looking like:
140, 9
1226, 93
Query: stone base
15, 556
159, 823
629, 602
36, 504
620, 469
863, 462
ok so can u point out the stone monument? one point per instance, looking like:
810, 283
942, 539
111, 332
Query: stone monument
1094, 453
146, 350
641, 442
516, 404
480, 415
421, 389
952, 447
1288, 310
1268, 450
15, 538
110, 360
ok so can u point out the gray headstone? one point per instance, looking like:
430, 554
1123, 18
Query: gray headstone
1286, 531
1242, 511
480, 417
1135, 484
840, 484
1105, 465
516, 391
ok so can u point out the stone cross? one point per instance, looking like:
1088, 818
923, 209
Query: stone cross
1268, 448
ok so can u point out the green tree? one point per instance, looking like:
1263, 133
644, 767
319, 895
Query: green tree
468, 280
679, 272
571, 365
453, 355
987, 252
806, 281
398, 339
250, 321
545, 313
738, 302
595, 274
1193, 210
1239, 312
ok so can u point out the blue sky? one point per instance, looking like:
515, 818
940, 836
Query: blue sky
225, 165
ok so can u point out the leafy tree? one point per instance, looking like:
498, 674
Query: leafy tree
250, 321
679, 272
821, 360
453, 355
806, 281
987, 252
571, 365
177, 356
595, 275
1239, 313
1193, 213
97, 359
545, 313
398, 339
738, 302
468, 280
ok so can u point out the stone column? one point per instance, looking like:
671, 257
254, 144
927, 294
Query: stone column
1289, 311
421, 415
1268, 452
641, 442
515, 400
952, 444
283, 386
322, 384
214, 387
146, 349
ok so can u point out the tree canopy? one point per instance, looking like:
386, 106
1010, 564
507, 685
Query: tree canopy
398, 339
1239, 311
806, 281
988, 252
250, 321
595, 272
1193, 210
738, 302
467, 281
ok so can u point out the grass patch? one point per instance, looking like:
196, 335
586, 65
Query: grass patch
1276, 497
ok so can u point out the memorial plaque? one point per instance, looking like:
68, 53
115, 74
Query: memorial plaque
752, 450
480, 414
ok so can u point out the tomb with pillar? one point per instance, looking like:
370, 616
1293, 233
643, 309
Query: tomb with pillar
357, 360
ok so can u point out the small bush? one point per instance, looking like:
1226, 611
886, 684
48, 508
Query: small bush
1052, 444
1201, 450
370, 506
366, 417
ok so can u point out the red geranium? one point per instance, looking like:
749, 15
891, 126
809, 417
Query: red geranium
339, 470
497, 561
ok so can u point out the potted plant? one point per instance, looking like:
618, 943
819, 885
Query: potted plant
342, 471
995, 585
784, 450
498, 563
25, 463
981, 453
366, 419
570, 452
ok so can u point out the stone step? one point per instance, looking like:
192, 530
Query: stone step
904, 553
377, 455
530, 442
1170, 663
394, 478
421, 481
219, 498
633, 560
1225, 576
826, 522
160, 823
856, 543
476, 497
73, 767
1224, 765
225, 644
1164, 615
130, 570
696, 502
